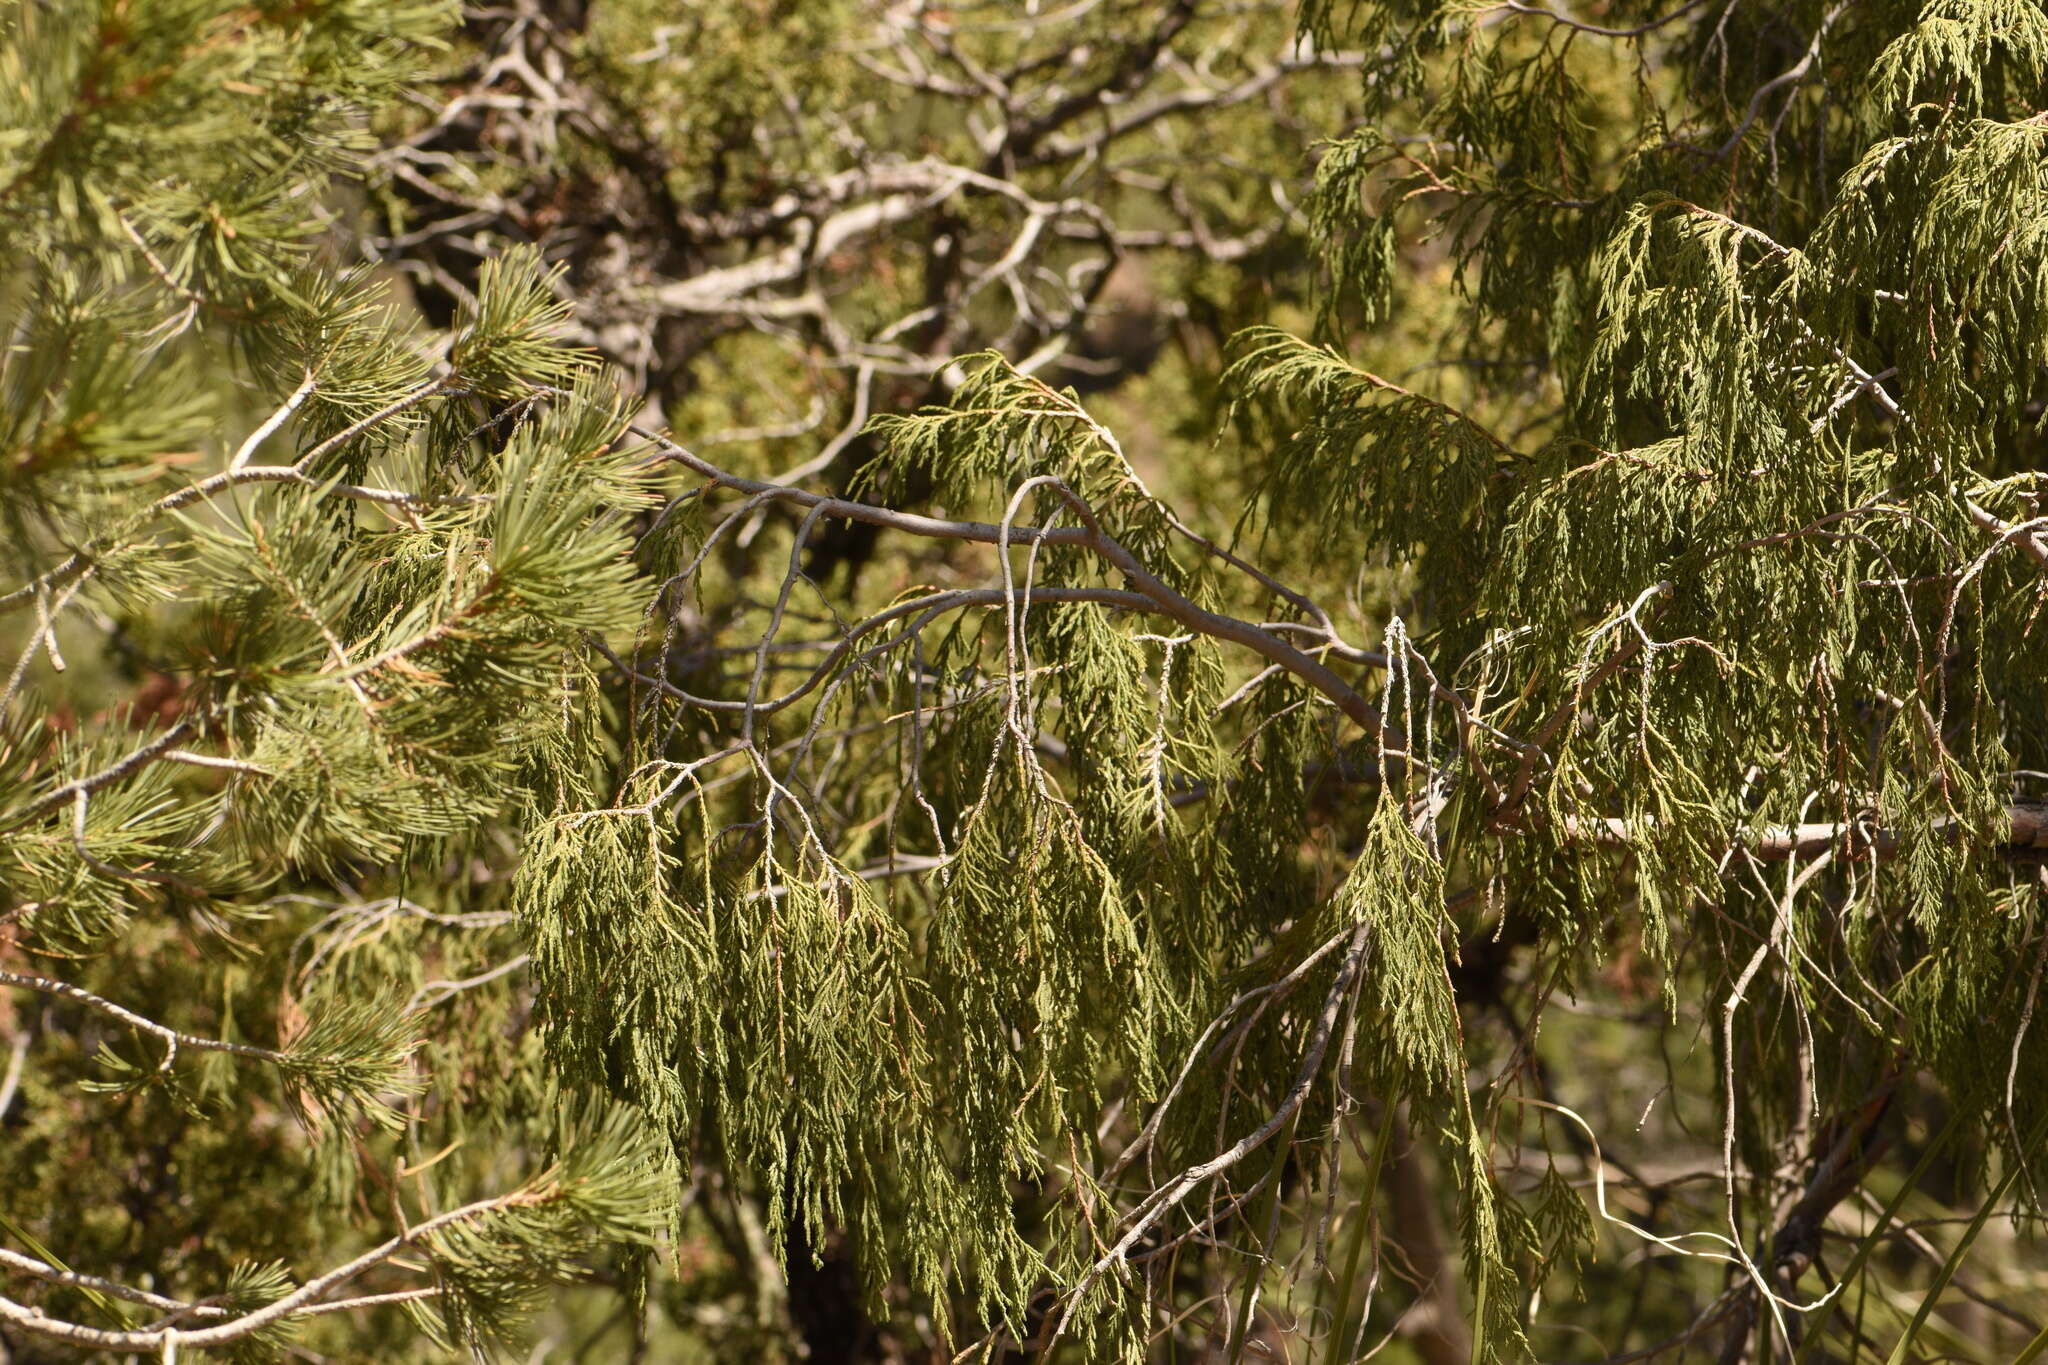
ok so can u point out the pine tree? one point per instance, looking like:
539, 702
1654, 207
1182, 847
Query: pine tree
1205, 872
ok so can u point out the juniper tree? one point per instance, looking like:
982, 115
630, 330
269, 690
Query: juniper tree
1184, 899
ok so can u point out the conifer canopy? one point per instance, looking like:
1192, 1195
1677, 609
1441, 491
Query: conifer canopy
1107, 681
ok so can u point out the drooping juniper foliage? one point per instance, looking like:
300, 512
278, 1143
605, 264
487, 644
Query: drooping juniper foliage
1497, 809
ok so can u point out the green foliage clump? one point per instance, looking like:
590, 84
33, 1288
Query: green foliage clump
1530, 749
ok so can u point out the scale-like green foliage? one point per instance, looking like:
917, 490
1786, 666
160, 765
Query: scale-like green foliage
457, 842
